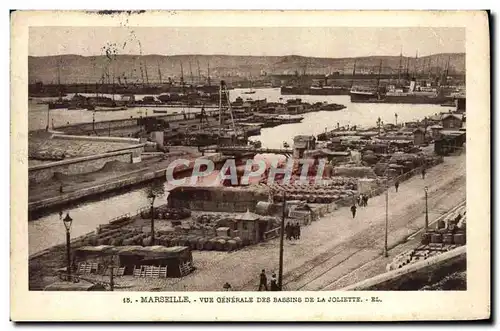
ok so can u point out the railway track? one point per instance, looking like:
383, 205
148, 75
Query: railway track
360, 244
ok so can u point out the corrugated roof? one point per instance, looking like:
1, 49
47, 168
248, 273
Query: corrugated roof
248, 216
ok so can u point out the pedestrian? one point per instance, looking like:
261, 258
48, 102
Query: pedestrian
274, 283
423, 173
298, 231
360, 200
288, 231
365, 200
353, 211
396, 185
227, 287
61, 189
263, 280
294, 231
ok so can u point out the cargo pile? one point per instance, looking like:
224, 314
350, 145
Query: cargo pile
449, 231
203, 232
336, 188
165, 213
449, 234
132, 237
421, 253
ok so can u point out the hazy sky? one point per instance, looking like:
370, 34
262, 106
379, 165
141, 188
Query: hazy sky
317, 41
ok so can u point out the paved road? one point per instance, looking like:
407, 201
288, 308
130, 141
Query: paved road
337, 250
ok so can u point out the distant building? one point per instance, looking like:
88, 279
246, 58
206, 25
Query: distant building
418, 136
451, 121
302, 143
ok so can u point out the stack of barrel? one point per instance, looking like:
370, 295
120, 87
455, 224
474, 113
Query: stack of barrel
201, 243
452, 233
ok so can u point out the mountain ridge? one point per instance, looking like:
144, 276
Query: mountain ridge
74, 68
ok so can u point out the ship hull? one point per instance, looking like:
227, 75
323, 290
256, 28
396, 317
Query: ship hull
356, 98
310, 91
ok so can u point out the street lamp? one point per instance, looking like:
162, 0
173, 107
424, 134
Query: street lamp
426, 189
67, 224
151, 199
282, 233
386, 250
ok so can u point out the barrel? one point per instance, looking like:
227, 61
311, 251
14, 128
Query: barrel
146, 241
209, 245
174, 241
436, 238
426, 238
231, 245
201, 243
448, 238
193, 241
441, 224
183, 241
239, 242
459, 239
220, 245
168, 241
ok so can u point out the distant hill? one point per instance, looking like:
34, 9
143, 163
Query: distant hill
90, 69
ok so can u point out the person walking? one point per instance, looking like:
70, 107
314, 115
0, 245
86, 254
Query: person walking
274, 283
360, 200
227, 287
294, 231
288, 231
423, 173
365, 200
396, 185
353, 211
263, 280
298, 231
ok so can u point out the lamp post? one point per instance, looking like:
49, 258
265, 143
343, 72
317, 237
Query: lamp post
426, 189
67, 224
282, 233
386, 250
151, 199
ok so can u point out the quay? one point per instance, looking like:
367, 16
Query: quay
46, 196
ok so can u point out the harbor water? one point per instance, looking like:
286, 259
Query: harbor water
49, 230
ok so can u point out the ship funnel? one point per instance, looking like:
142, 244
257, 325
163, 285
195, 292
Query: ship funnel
412, 85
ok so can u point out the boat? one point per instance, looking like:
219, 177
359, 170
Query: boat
59, 104
407, 95
251, 91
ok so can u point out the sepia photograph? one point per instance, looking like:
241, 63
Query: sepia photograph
247, 159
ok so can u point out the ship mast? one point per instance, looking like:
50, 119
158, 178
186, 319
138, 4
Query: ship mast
208, 73
353, 73
59, 78
146, 72
379, 72
407, 74
159, 73
182, 75
191, 73
142, 74
447, 68
415, 66
399, 67
199, 71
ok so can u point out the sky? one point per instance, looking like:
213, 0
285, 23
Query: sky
315, 41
